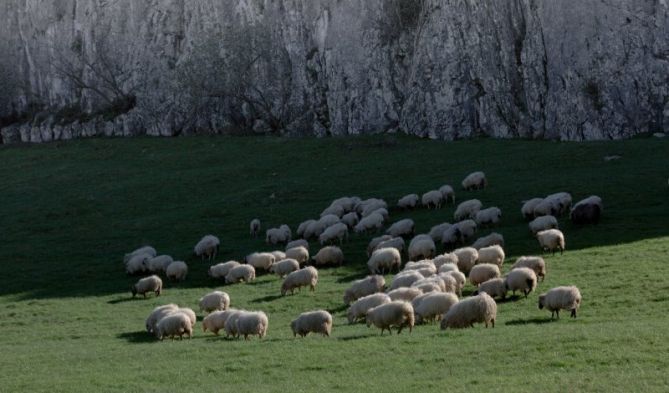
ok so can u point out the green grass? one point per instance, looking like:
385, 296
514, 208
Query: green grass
69, 211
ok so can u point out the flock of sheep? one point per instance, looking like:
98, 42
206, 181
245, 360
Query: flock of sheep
427, 287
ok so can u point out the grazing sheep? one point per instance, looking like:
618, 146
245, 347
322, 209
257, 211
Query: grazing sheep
188, 313
465, 313
147, 284
561, 298
527, 210
215, 321
347, 203
175, 324
591, 200
177, 271
278, 255
546, 207
299, 253
562, 201
230, 325
585, 213
542, 223
287, 232
467, 257
214, 301
296, 243
408, 201
147, 250
336, 210
359, 308
315, 228
433, 305
475, 181
425, 267
303, 227
405, 279
467, 209
328, 256
492, 254
403, 227
451, 237
373, 221
483, 272
447, 193
338, 231
432, 198
284, 267
448, 267
350, 219
368, 206
278, 235
373, 244
252, 324
489, 216
137, 264
437, 231
383, 212
427, 287
425, 283
207, 247
521, 279
159, 263
307, 276
551, 240
421, 246
467, 229
396, 242
384, 259
254, 227
157, 314
535, 263
495, 287
385, 316
221, 270
489, 240
364, 287
444, 259
459, 277
319, 321
260, 260
246, 273
405, 294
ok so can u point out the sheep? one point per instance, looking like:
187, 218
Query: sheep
425, 267
483, 272
562, 201
147, 284
338, 231
492, 254
177, 271
396, 313
315, 228
319, 321
406, 294
157, 314
480, 308
437, 231
426, 283
535, 263
303, 227
591, 200
585, 213
368, 206
432, 198
561, 298
230, 324
382, 211
296, 243
375, 242
175, 324
551, 240
300, 254
451, 237
400, 228
467, 209
307, 276
405, 279
278, 235
359, 308
396, 242
542, 223
434, 305
459, 277
421, 246
138, 263
521, 279
347, 203
467, 257
189, 313
467, 229
350, 219
475, 181
278, 255
408, 201
489, 216
427, 287
494, 287
214, 301
448, 267
364, 287
384, 259
159, 263
336, 210
287, 232
448, 258
147, 250
254, 227
246, 273
252, 324
372, 222
284, 267
215, 321
260, 260
447, 193
207, 247
489, 240
527, 210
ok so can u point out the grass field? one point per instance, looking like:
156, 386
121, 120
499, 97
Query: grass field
69, 211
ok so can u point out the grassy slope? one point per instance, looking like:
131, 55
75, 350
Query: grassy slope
70, 210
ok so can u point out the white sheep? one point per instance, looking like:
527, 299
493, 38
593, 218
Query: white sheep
157, 314
459, 277
373, 221
303, 227
328, 256
177, 271
396, 242
319, 321
215, 321
426, 267
551, 240
405, 294
489, 216
260, 260
561, 298
137, 263
408, 201
492, 254
467, 257
277, 235
315, 228
278, 255
254, 227
384, 260
421, 246
299, 253
427, 287
433, 305
527, 210
467, 229
159, 263
465, 313
542, 223
347, 203
521, 279
147, 250
400, 228
405, 279
483, 272
252, 324
467, 209
336, 232
364, 287
426, 283
359, 308
147, 284
230, 325
287, 232
246, 273
587, 211
448, 267
432, 198
373, 244
368, 206
350, 219
398, 313
382, 211
336, 210
220, 270
284, 267
296, 243
174, 324
207, 247
307, 276
591, 200
214, 301
475, 181
562, 200
445, 259
489, 240
437, 231
447, 193
495, 287
535, 263
188, 313
451, 237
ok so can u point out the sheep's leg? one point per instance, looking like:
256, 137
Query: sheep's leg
493, 323
573, 313
557, 312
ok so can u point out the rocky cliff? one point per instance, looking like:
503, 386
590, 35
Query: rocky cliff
559, 69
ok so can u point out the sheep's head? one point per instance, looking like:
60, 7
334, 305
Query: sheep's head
133, 289
476, 292
542, 299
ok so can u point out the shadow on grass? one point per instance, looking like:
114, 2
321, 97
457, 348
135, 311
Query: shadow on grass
137, 337
268, 298
352, 338
533, 321
335, 310
351, 277
511, 299
125, 299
